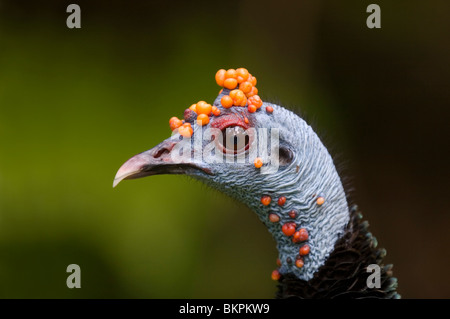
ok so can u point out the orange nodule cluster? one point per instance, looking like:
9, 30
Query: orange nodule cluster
225, 78
243, 89
184, 129
243, 93
238, 97
203, 110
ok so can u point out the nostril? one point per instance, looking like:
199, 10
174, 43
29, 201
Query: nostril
163, 150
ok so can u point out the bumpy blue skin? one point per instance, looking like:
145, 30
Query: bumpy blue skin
312, 172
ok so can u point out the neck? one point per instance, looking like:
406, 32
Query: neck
311, 175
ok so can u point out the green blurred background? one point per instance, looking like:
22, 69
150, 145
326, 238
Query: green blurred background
76, 103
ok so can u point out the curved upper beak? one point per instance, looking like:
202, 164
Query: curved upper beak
155, 161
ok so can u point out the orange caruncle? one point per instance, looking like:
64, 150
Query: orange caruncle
202, 119
230, 83
215, 111
299, 263
265, 200
258, 162
255, 100
304, 250
238, 96
276, 275
320, 200
220, 77
288, 229
242, 73
274, 218
226, 101
175, 123
203, 108
245, 87
185, 130
193, 107
281, 200
231, 74
254, 91
252, 108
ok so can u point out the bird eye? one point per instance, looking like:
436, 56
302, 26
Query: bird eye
285, 156
235, 140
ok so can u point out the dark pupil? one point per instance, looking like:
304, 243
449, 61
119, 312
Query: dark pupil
235, 139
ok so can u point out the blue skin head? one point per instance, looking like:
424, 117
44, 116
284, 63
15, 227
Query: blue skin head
304, 172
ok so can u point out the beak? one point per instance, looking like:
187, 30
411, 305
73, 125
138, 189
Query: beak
156, 161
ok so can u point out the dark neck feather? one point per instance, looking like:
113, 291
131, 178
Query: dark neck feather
344, 275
